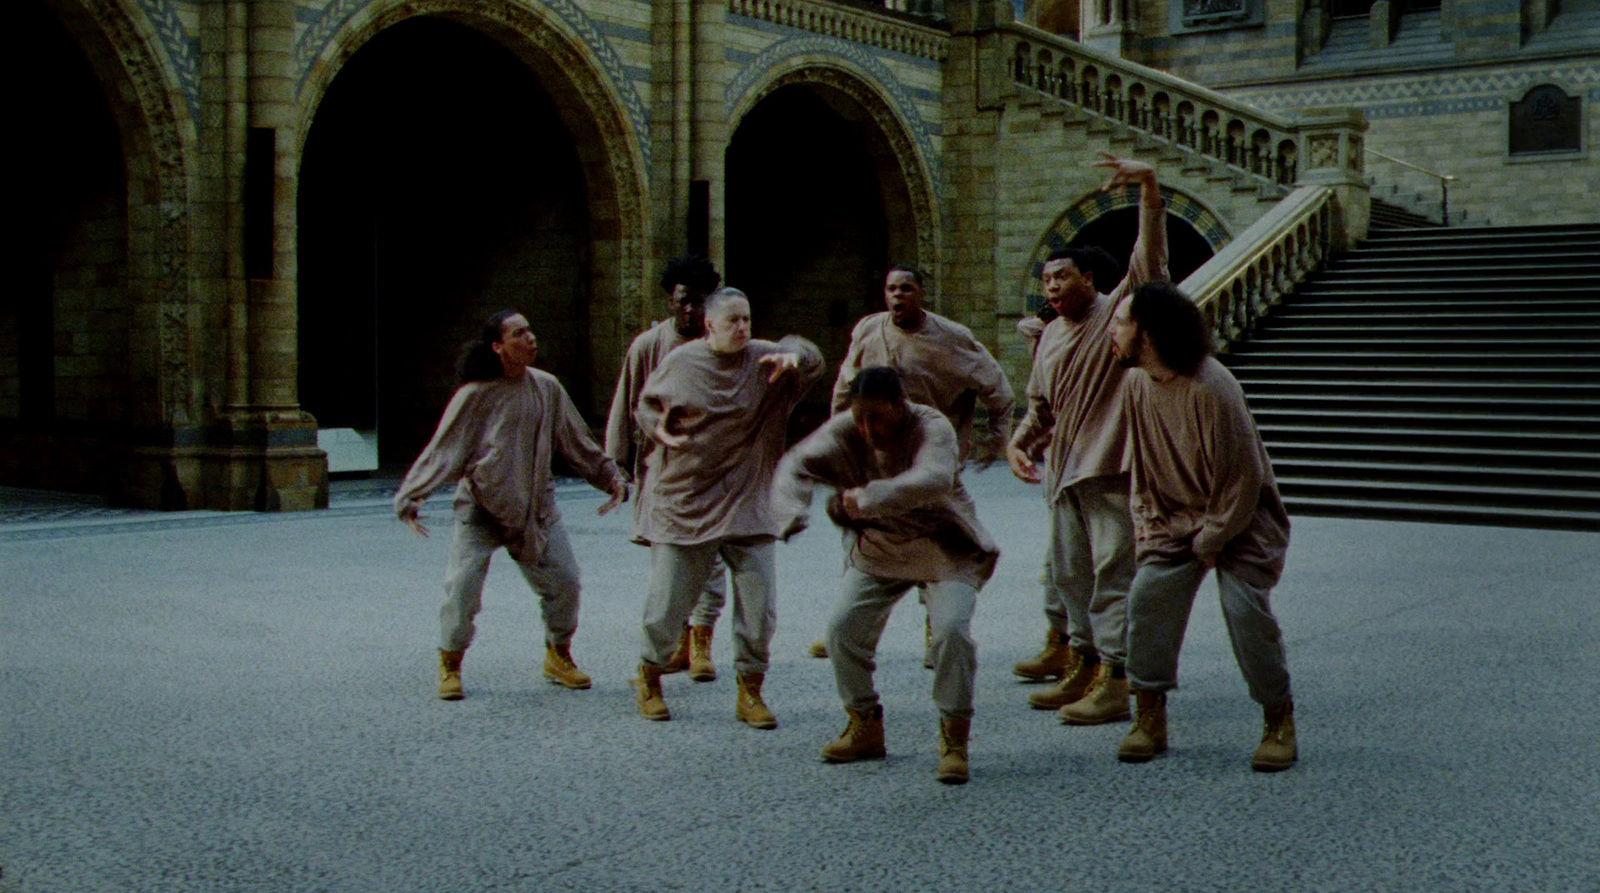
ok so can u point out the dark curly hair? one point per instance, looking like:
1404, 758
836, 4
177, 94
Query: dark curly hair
693, 271
477, 360
1175, 326
1094, 261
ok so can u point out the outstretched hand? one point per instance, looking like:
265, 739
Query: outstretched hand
781, 363
413, 519
1022, 466
1125, 171
619, 495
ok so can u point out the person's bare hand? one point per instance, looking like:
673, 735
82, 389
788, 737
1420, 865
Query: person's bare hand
1023, 467
664, 433
413, 519
1124, 171
781, 363
619, 495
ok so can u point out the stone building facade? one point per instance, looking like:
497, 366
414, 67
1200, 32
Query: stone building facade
254, 220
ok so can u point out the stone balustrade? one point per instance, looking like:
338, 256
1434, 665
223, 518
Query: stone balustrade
1240, 283
849, 23
1272, 150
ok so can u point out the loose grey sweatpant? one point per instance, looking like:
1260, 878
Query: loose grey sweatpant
554, 576
708, 607
1158, 614
678, 575
1089, 566
858, 622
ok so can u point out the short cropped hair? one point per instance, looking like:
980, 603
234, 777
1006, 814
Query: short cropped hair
916, 274
693, 271
1093, 260
722, 296
1175, 326
877, 383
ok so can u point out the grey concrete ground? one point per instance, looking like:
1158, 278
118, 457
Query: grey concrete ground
245, 702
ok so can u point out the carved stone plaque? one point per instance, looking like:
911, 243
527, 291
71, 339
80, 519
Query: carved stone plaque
1546, 120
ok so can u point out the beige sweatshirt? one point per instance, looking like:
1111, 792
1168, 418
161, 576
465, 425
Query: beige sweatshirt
624, 440
1075, 390
718, 485
497, 438
1202, 483
940, 365
917, 521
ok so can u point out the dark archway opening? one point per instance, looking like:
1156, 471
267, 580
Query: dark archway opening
1116, 231
65, 313
817, 208
439, 185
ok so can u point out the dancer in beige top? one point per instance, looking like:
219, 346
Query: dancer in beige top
718, 409
496, 438
940, 365
687, 281
1075, 418
896, 467
1204, 497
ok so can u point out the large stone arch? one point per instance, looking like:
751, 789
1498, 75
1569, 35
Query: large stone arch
591, 105
906, 140
132, 460
1204, 222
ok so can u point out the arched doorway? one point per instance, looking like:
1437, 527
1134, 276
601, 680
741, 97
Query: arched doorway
439, 184
1111, 221
66, 313
818, 205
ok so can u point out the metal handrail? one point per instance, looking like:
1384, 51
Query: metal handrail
1444, 182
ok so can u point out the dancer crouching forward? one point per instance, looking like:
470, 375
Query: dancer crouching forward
718, 409
496, 438
909, 522
1203, 497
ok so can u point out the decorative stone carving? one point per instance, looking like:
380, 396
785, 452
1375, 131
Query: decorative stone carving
1546, 119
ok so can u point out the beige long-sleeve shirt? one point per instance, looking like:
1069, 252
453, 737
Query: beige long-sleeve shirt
626, 444
497, 438
1202, 483
917, 521
1075, 390
717, 486
940, 365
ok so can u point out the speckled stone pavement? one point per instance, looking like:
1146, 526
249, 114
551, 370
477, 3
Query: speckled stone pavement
211, 702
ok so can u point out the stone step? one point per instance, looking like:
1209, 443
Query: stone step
1440, 513
1457, 494
1435, 455
1487, 361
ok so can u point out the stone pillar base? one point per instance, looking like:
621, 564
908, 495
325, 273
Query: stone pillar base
272, 465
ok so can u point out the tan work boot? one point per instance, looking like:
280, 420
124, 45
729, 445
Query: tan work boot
700, 666
1106, 701
953, 750
647, 694
559, 668
679, 661
818, 649
1051, 663
450, 675
927, 644
862, 739
752, 711
1074, 684
1149, 734
1277, 751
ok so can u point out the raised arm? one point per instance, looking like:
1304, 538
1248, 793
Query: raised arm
812, 461
1148, 263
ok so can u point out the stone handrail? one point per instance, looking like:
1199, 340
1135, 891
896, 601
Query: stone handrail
870, 27
1249, 275
1270, 150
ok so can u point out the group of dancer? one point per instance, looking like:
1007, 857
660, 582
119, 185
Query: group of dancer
1153, 473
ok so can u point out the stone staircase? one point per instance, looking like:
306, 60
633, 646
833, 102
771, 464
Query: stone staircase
1387, 216
1445, 375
